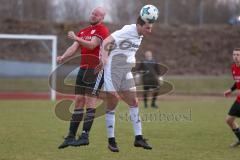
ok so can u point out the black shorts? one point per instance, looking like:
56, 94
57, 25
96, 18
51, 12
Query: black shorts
235, 109
148, 87
88, 83
151, 84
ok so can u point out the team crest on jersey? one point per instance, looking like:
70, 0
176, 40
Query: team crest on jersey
93, 31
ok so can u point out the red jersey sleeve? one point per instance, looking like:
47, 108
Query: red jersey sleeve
79, 34
101, 32
236, 74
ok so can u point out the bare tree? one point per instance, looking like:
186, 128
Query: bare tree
121, 11
216, 13
10, 9
72, 10
125, 11
36, 10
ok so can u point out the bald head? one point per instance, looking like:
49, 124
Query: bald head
97, 15
101, 11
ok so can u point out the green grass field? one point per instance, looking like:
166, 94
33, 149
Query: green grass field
200, 84
182, 84
188, 129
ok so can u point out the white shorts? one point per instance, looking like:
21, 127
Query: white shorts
118, 77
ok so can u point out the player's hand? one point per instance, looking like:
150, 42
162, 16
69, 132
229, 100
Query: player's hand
60, 59
98, 68
137, 78
137, 75
160, 78
72, 35
227, 93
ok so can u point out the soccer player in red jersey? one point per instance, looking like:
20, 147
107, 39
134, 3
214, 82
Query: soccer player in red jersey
234, 112
88, 40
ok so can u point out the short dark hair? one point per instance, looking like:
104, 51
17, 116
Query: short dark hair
140, 21
236, 49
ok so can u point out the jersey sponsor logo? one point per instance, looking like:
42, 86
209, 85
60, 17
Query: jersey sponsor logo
126, 44
93, 31
88, 38
123, 45
237, 78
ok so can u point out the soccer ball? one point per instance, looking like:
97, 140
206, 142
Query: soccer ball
149, 13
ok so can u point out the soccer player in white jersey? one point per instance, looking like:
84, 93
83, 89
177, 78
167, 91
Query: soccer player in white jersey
117, 62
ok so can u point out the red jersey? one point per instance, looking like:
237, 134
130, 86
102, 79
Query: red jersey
236, 77
90, 58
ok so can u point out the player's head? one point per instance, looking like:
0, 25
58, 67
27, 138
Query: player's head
236, 55
97, 15
143, 27
148, 55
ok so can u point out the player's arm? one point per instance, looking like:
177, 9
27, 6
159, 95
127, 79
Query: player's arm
138, 70
140, 66
234, 87
68, 53
157, 69
229, 91
95, 41
104, 51
106, 48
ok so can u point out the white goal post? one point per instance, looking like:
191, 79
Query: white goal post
53, 38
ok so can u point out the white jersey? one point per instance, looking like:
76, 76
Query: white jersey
127, 42
117, 71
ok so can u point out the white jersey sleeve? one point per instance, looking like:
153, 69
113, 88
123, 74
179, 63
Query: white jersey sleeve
122, 34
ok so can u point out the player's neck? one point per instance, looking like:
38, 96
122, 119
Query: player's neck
94, 24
